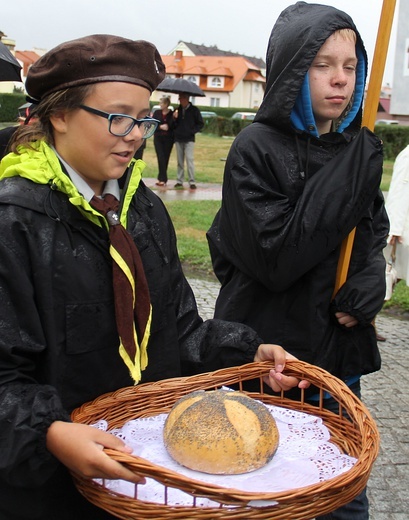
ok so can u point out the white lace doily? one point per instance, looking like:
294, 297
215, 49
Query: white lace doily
304, 457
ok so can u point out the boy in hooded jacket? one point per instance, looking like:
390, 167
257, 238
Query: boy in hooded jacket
296, 182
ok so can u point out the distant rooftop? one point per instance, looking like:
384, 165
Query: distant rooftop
213, 50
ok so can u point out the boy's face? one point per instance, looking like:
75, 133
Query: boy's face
332, 80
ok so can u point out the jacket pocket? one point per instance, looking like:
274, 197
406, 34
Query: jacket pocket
90, 327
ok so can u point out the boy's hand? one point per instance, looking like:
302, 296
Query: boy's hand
346, 319
276, 379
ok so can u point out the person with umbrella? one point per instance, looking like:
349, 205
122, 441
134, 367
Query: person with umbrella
187, 122
10, 68
163, 138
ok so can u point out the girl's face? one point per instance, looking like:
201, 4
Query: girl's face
332, 80
84, 141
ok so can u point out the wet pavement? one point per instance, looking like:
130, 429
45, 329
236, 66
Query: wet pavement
203, 191
385, 393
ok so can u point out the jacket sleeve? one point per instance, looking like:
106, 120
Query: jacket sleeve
363, 293
199, 123
277, 240
27, 408
397, 202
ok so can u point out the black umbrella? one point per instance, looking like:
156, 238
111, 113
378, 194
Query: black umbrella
9, 67
180, 86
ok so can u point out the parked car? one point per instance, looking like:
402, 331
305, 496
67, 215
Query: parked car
244, 115
386, 122
207, 115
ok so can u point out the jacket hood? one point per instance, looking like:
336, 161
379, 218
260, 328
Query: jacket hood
300, 31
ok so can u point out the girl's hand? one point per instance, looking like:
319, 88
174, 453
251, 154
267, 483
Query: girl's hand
80, 448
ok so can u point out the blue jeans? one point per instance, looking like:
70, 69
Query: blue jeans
358, 509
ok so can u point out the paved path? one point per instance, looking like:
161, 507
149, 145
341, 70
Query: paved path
204, 191
385, 392
387, 397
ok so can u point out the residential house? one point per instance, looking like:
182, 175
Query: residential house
193, 49
227, 81
27, 58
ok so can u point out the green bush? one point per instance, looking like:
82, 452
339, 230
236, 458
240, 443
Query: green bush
9, 104
221, 126
225, 111
395, 138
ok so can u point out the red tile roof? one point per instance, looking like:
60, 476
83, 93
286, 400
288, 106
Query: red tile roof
233, 68
27, 58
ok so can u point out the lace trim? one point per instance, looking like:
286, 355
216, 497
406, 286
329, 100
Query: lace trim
305, 456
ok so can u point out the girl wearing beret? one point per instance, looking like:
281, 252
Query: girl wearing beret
92, 294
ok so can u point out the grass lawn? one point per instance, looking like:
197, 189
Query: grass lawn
387, 175
399, 303
193, 219
210, 154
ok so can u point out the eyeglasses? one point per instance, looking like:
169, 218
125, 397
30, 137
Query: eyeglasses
121, 124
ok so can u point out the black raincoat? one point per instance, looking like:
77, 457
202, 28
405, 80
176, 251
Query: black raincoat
58, 336
289, 200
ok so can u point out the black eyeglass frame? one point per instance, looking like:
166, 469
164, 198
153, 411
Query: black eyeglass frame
136, 122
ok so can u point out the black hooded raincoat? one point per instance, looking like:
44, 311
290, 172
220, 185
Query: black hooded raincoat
289, 200
58, 336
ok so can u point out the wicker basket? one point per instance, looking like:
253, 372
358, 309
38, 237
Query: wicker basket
356, 436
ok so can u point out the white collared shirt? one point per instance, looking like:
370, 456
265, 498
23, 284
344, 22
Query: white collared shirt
111, 186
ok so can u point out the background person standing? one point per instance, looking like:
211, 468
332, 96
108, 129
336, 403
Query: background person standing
163, 139
397, 207
187, 122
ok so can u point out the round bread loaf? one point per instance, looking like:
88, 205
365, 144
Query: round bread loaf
220, 432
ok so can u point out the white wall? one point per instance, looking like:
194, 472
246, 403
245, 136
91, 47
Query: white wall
400, 99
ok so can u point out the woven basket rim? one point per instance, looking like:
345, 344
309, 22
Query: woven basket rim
362, 428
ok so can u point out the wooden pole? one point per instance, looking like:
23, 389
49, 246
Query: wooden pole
369, 116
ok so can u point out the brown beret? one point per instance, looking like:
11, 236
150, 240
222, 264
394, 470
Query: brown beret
92, 59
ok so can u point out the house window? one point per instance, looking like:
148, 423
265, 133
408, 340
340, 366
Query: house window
214, 102
193, 79
216, 82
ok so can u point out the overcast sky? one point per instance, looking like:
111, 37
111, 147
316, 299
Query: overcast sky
233, 25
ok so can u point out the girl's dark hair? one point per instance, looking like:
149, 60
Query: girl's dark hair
40, 128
